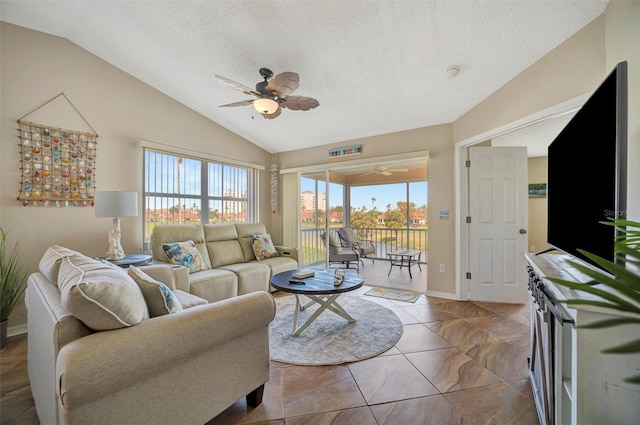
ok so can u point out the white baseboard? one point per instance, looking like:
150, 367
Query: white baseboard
17, 330
445, 295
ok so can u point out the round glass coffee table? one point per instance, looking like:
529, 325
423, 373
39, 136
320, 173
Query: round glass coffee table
320, 290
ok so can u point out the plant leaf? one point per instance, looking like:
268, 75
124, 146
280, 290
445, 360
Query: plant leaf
633, 380
629, 347
620, 280
618, 302
610, 322
595, 303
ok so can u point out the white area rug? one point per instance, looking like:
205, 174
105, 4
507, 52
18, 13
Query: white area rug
330, 339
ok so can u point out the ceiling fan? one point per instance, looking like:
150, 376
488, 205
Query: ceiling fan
272, 94
385, 171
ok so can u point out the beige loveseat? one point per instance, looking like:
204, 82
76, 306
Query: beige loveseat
180, 368
231, 267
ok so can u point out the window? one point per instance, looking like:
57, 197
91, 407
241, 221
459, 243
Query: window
177, 187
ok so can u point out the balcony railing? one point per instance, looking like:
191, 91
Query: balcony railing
385, 240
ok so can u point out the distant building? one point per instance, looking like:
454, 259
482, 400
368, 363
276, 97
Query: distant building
234, 207
307, 215
336, 217
417, 219
308, 201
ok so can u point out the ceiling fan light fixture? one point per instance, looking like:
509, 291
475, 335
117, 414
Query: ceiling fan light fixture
265, 105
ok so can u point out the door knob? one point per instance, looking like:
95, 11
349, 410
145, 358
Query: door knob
523, 231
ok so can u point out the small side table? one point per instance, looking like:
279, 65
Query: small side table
131, 260
408, 257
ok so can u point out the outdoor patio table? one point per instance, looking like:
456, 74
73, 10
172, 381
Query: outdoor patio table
404, 258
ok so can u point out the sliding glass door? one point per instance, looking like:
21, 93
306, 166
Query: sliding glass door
322, 206
384, 204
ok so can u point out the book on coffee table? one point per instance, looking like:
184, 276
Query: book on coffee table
302, 274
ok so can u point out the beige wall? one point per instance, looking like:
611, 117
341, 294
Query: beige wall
34, 68
537, 206
439, 142
574, 67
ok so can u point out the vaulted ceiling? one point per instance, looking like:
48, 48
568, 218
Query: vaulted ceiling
375, 66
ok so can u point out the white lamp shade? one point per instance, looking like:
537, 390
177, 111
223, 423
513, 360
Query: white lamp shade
265, 105
116, 204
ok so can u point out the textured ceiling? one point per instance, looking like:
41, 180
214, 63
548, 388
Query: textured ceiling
376, 66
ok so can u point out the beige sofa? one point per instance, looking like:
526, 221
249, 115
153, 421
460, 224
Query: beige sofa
231, 265
185, 367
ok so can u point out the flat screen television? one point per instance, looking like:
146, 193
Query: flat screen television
587, 174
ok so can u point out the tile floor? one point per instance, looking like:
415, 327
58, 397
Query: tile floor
456, 363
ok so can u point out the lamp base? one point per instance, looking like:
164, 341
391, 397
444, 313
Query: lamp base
115, 249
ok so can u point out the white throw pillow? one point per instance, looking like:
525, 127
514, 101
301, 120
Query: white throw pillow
160, 299
101, 296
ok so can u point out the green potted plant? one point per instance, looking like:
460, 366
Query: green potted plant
623, 280
12, 287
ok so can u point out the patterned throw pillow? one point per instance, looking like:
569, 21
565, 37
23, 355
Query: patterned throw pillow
263, 247
184, 254
160, 299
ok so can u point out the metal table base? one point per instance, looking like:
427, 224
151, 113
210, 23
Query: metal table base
326, 302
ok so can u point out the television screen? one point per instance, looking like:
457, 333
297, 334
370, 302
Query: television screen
587, 172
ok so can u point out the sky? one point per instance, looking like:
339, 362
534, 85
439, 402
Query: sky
384, 194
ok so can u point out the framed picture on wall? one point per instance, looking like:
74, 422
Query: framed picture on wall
345, 151
537, 190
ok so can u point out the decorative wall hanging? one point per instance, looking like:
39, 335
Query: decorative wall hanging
57, 165
274, 188
345, 151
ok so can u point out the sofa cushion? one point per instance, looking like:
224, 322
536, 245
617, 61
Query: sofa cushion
50, 261
252, 276
280, 264
101, 296
222, 244
188, 300
185, 254
214, 284
223, 253
160, 300
263, 247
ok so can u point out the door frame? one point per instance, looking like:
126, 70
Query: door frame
462, 257
326, 167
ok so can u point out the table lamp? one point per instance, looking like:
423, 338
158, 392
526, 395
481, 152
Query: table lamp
116, 204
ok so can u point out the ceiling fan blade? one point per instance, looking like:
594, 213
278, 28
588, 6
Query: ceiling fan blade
276, 114
385, 173
398, 170
240, 103
236, 86
284, 84
299, 103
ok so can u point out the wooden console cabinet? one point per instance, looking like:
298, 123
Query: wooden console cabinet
572, 381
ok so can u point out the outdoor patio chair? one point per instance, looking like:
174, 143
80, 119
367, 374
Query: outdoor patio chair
339, 254
364, 247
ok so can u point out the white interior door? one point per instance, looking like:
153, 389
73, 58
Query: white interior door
498, 202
